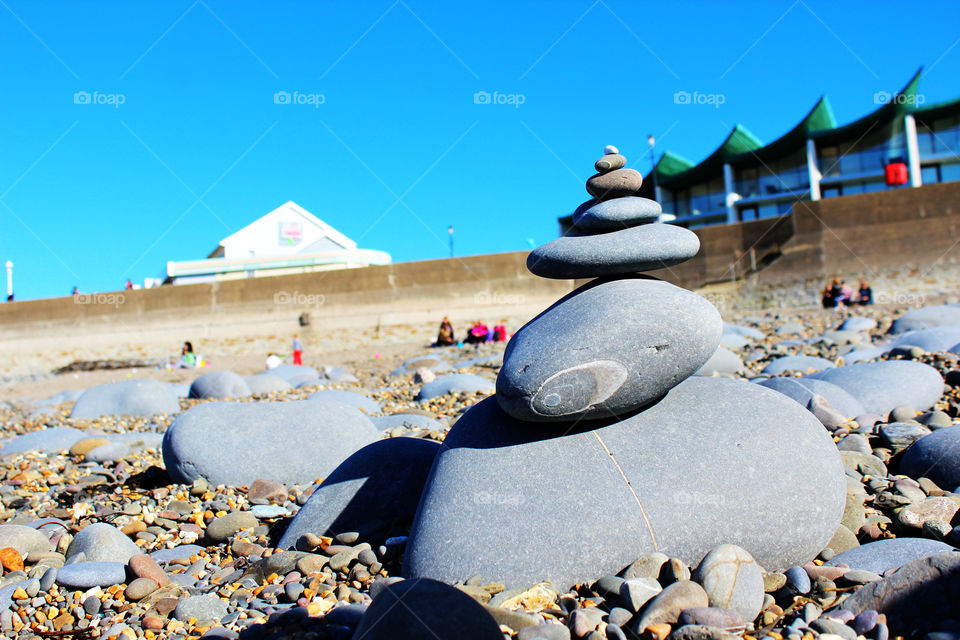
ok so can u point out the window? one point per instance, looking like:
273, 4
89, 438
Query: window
831, 192
867, 155
950, 172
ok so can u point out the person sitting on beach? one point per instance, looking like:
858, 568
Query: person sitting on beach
500, 333
445, 336
188, 359
477, 334
864, 294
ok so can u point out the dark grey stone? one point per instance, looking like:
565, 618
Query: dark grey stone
528, 519
618, 213
863, 355
798, 580
732, 580
882, 386
86, 575
266, 383
614, 184
349, 398
101, 542
417, 609
643, 248
124, 444
931, 339
924, 317
219, 384
573, 360
431, 362
126, 398
48, 440
734, 340
802, 390
235, 443
901, 435
610, 162
722, 362
408, 421
295, 374
454, 383
373, 489
858, 323
915, 597
207, 607
180, 552
741, 330
883, 555
802, 364
936, 456
24, 539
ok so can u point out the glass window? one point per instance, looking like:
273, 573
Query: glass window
950, 172
830, 192
828, 162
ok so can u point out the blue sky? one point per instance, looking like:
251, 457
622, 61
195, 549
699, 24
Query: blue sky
184, 143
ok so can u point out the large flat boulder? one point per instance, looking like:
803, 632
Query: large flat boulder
715, 460
234, 443
126, 398
882, 386
377, 486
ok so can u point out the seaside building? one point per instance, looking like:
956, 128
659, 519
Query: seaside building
287, 240
903, 143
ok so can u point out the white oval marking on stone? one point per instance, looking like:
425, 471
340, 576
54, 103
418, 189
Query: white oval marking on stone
609, 376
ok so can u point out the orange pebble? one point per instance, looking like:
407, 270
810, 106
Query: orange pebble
658, 631
11, 559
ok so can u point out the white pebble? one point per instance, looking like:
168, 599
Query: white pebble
609, 149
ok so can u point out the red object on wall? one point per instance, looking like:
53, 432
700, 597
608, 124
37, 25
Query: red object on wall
896, 174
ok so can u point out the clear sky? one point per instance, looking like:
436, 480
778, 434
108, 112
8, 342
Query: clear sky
183, 143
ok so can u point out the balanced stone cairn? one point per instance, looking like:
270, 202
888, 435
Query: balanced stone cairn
599, 446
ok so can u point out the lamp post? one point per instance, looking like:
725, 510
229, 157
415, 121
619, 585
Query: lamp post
653, 167
450, 231
9, 266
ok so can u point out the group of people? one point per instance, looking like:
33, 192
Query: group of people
478, 333
190, 360
838, 294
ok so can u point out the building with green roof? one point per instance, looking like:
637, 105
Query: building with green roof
744, 179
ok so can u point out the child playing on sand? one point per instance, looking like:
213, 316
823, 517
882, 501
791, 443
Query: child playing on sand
297, 349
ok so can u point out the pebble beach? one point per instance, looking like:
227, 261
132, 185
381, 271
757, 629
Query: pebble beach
638, 461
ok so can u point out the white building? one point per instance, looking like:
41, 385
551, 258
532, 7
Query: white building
287, 240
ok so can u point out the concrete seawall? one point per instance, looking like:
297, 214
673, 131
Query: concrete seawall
855, 236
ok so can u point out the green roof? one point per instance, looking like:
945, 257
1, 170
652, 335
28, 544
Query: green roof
670, 164
819, 118
737, 142
898, 105
742, 149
